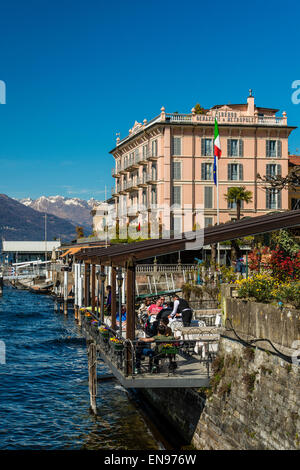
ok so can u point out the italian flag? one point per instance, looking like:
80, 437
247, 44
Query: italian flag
217, 145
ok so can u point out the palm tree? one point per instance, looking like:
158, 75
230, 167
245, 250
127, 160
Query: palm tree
238, 195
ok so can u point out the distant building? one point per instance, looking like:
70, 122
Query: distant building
100, 214
20, 251
294, 195
168, 161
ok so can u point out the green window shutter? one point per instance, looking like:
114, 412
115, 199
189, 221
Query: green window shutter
279, 200
268, 198
203, 171
241, 148
279, 148
279, 170
203, 147
241, 176
228, 147
267, 148
229, 172
268, 170
208, 197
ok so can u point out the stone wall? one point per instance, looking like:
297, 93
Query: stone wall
254, 396
253, 402
281, 326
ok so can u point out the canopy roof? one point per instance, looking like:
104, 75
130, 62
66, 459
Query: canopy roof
119, 254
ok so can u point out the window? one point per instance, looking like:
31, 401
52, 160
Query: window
235, 172
208, 222
145, 151
207, 147
273, 148
144, 174
273, 170
154, 172
295, 204
153, 196
154, 148
208, 197
177, 195
177, 228
176, 170
235, 148
145, 197
207, 171
273, 199
176, 145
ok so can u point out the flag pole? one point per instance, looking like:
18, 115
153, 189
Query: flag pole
218, 206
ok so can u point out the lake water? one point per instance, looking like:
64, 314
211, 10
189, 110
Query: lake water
44, 399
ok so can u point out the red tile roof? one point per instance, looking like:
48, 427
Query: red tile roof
294, 159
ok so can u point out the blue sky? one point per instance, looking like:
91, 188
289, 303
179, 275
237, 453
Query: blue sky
77, 72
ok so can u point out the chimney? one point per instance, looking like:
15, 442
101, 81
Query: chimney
251, 106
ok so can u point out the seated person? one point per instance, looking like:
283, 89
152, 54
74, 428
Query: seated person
152, 311
123, 315
144, 351
165, 312
164, 322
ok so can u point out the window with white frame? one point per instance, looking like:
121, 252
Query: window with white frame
273, 199
177, 225
235, 172
154, 148
144, 198
206, 171
208, 197
176, 145
272, 170
206, 147
145, 151
177, 195
154, 171
208, 222
153, 195
235, 148
176, 170
273, 148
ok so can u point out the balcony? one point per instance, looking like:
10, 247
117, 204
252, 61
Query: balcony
115, 172
151, 178
132, 185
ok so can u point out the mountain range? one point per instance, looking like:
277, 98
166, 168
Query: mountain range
21, 222
75, 210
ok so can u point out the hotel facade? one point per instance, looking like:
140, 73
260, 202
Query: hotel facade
164, 168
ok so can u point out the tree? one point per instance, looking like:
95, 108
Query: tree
238, 195
79, 231
198, 109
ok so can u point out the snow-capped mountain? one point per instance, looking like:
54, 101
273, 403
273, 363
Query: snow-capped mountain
73, 209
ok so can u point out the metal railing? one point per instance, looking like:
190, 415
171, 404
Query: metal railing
124, 355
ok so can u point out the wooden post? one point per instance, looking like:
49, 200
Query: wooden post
130, 302
113, 298
86, 284
66, 292
130, 311
92, 365
93, 287
102, 297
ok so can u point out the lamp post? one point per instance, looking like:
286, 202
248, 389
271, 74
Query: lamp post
102, 278
120, 281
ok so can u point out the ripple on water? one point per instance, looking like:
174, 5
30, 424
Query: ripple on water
44, 401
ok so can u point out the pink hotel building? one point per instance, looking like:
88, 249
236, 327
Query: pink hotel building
169, 161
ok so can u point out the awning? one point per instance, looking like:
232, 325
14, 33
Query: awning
72, 251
